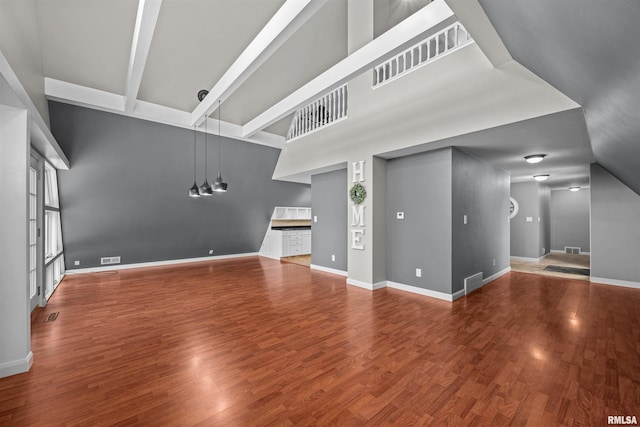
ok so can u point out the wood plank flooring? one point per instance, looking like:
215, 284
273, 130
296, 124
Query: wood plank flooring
256, 342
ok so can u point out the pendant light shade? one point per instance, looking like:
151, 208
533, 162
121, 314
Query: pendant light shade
219, 185
193, 191
205, 188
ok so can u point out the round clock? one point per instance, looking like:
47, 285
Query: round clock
513, 207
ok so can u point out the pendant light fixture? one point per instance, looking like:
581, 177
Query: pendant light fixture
193, 191
205, 188
219, 185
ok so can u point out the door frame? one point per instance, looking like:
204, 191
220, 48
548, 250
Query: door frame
36, 162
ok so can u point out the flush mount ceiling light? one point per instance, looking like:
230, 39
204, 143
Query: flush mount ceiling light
541, 177
193, 191
574, 188
535, 158
219, 185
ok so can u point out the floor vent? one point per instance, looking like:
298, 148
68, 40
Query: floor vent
51, 317
571, 250
472, 283
110, 260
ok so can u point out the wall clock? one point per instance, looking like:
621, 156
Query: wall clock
513, 207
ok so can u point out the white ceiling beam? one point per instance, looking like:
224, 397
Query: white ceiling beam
146, 20
95, 99
471, 14
41, 136
287, 20
400, 37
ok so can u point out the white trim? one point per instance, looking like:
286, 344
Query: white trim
158, 263
16, 366
521, 258
365, 285
426, 292
284, 24
615, 282
495, 276
557, 251
382, 48
41, 137
69, 93
329, 270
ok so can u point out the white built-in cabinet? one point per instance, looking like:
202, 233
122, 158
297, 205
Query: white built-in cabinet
291, 213
296, 242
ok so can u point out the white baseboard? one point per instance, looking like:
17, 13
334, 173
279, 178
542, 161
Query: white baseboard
329, 270
559, 251
157, 263
522, 258
425, 292
495, 276
615, 282
16, 366
365, 285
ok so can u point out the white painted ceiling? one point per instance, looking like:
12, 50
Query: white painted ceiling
88, 43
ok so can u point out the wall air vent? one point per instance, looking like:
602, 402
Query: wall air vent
571, 250
110, 260
472, 283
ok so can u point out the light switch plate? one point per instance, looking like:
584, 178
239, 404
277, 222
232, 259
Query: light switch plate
465, 219
418, 272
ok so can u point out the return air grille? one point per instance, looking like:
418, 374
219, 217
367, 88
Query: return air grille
110, 260
571, 250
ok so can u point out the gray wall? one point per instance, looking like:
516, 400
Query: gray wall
544, 243
420, 186
480, 191
329, 205
615, 228
126, 192
570, 219
531, 239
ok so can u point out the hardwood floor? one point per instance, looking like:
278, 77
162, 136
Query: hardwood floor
254, 341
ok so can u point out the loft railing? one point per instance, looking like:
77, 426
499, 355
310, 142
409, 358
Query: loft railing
434, 47
319, 113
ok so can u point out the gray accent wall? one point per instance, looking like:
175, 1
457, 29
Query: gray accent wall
126, 192
570, 220
329, 204
420, 186
531, 239
480, 191
615, 228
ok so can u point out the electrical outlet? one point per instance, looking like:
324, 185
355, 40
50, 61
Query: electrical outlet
210, 251
418, 272
399, 215
76, 262
465, 220
333, 257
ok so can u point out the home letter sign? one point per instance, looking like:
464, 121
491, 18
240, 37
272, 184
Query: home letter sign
357, 209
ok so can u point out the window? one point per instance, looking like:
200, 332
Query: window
53, 250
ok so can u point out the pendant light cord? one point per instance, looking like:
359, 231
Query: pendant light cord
219, 135
194, 153
206, 157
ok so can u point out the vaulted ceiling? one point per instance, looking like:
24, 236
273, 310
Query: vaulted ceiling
131, 57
